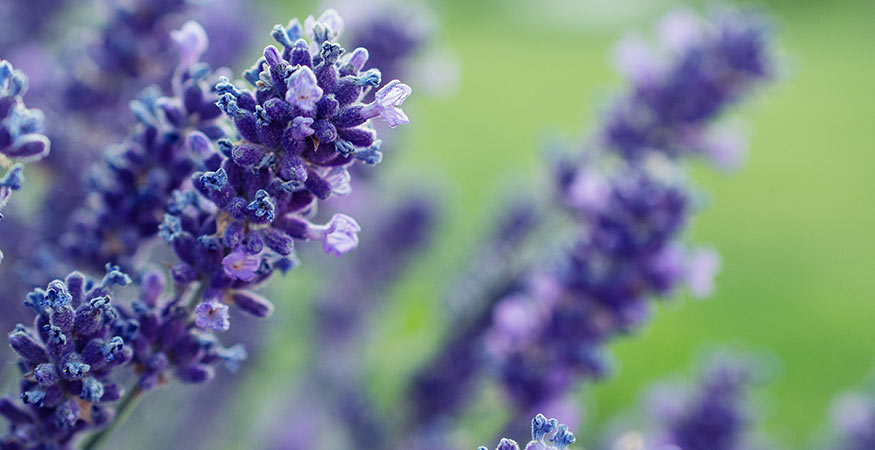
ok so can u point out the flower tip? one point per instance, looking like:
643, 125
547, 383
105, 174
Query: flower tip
191, 42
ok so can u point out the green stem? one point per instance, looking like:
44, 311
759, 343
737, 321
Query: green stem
126, 405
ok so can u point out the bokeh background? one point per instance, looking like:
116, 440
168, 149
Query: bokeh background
794, 226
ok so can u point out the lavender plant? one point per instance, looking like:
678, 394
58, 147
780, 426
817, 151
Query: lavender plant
714, 415
629, 202
231, 226
21, 131
547, 434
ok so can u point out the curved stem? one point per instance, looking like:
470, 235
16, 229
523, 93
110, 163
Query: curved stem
122, 412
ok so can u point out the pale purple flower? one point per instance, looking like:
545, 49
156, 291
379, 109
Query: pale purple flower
514, 323
589, 191
328, 26
702, 267
212, 315
191, 42
338, 236
850, 412
338, 178
726, 147
635, 59
387, 102
303, 89
680, 29
240, 265
358, 58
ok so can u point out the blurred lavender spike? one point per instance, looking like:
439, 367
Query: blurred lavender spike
710, 65
132, 187
342, 316
631, 202
21, 131
715, 415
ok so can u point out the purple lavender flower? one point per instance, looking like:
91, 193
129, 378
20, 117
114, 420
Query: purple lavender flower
338, 236
21, 137
547, 434
240, 266
21, 129
386, 104
172, 138
68, 362
714, 416
212, 315
191, 42
303, 89
631, 204
299, 132
713, 66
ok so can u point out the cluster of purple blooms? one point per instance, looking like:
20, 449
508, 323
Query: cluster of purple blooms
231, 178
131, 188
21, 131
547, 434
299, 132
67, 360
632, 203
712, 416
546, 329
230, 196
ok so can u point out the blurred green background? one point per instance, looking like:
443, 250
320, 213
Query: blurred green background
794, 226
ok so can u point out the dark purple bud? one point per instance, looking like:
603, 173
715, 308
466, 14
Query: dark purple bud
325, 131
278, 241
27, 348
348, 91
183, 274
279, 110
76, 287
327, 107
195, 374
63, 318
13, 413
247, 126
317, 185
252, 303
359, 137
349, 117
193, 98
112, 392
293, 226
247, 155
151, 288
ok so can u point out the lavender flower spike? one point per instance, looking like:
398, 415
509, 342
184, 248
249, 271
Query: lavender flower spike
547, 434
